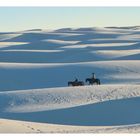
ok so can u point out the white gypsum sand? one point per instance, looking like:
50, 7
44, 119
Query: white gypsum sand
36, 65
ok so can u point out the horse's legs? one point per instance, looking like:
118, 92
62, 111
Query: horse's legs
69, 84
99, 82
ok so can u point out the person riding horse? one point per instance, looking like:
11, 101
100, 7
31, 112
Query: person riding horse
93, 76
93, 80
76, 80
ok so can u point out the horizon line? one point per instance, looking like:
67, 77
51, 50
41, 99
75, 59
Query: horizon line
80, 27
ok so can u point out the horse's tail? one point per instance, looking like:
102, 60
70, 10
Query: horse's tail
99, 82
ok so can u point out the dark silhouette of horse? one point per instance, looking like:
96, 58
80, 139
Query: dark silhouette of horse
74, 83
93, 81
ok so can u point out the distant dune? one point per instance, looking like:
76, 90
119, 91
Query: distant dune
36, 65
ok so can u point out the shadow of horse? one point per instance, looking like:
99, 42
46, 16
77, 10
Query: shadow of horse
93, 81
74, 83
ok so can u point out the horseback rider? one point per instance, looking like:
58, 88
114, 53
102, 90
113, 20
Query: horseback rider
93, 76
76, 80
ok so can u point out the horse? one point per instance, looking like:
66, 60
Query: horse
93, 81
74, 83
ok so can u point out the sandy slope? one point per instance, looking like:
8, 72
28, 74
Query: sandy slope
33, 61
12, 126
38, 75
82, 106
57, 98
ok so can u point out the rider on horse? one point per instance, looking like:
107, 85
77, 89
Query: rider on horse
93, 80
76, 80
93, 76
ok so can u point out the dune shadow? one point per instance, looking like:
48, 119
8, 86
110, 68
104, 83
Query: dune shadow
67, 55
115, 112
129, 57
44, 77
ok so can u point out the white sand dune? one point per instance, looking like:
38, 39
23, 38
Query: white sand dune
5, 36
37, 75
36, 65
7, 44
12, 126
50, 51
58, 98
100, 45
116, 53
130, 37
103, 105
61, 41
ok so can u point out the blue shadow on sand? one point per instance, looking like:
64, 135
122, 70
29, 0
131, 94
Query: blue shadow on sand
108, 113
